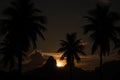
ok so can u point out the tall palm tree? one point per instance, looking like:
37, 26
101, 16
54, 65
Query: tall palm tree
102, 28
22, 26
71, 47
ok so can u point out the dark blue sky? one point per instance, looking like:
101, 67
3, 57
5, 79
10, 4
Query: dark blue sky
64, 16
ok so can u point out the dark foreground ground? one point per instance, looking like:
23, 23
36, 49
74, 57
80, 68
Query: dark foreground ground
111, 71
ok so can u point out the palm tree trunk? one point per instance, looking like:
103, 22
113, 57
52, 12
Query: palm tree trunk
71, 67
100, 70
71, 77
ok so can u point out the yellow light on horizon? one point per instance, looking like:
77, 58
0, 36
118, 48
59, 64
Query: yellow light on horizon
60, 63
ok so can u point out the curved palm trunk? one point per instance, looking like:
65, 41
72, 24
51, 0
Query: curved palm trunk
100, 70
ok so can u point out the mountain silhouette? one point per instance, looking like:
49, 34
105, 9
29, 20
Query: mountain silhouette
34, 60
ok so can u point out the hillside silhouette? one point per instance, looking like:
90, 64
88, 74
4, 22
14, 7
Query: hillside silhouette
111, 71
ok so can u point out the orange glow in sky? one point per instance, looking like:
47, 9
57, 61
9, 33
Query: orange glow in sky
60, 63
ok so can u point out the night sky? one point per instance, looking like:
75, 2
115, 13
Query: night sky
64, 16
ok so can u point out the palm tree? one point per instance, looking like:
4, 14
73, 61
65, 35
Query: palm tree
10, 52
21, 28
71, 47
102, 28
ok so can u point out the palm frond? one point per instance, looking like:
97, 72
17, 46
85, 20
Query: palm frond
41, 35
90, 19
77, 57
88, 28
117, 29
64, 43
114, 16
115, 40
62, 49
41, 19
37, 10
63, 56
77, 42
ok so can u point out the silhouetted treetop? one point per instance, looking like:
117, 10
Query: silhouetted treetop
21, 29
103, 30
71, 47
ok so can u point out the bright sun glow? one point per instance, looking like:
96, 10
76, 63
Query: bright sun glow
60, 63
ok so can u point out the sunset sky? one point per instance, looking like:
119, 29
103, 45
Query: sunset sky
64, 16
88, 62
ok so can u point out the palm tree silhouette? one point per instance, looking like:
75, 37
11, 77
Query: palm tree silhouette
22, 26
71, 47
102, 28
